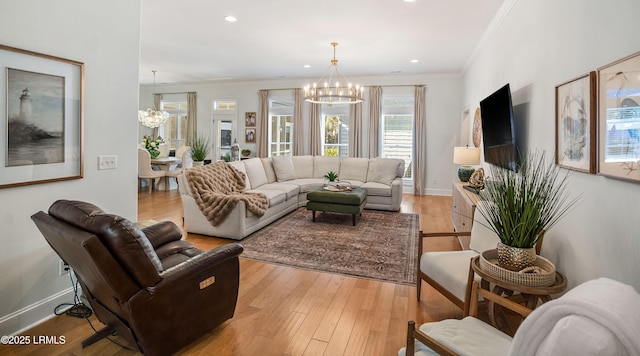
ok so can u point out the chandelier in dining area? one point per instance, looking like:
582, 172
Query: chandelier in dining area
153, 117
343, 92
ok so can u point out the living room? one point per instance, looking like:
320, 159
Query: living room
536, 46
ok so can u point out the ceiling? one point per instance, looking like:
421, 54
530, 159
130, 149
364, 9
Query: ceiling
189, 41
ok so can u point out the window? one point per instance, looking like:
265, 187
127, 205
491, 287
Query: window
224, 128
174, 131
397, 130
280, 127
335, 131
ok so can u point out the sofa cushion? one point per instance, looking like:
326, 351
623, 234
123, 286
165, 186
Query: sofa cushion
377, 189
255, 172
291, 190
303, 166
240, 166
354, 169
308, 184
274, 197
268, 169
383, 170
325, 164
283, 167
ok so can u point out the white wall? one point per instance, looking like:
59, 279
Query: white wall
538, 45
443, 113
105, 36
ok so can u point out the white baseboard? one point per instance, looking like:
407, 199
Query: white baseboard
443, 192
34, 314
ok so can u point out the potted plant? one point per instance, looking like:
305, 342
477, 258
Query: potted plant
152, 145
199, 149
520, 207
331, 176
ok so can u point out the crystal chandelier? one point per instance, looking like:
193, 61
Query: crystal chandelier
342, 93
153, 117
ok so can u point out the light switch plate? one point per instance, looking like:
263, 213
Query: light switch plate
108, 162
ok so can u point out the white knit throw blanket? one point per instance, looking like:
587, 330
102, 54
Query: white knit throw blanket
599, 308
217, 189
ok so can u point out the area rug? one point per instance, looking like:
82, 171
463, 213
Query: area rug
382, 245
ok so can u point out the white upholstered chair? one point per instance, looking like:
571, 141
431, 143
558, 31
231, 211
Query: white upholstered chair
144, 169
448, 271
598, 317
187, 162
164, 150
180, 153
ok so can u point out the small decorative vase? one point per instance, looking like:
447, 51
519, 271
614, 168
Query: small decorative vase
154, 153
198, 163
515, 258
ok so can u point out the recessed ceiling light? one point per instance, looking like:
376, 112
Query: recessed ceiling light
230, 18
414, 61
409, 0
307, 66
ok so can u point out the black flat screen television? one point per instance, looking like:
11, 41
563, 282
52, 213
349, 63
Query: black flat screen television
498, 131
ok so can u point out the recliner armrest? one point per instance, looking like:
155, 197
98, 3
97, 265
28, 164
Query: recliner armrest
208, 258
162, 233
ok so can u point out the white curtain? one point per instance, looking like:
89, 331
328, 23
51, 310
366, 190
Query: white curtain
298, 142
355, 130
316, 136
375, 93
263, 124
419, 164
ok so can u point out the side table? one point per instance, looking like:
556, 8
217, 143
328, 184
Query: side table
531, 295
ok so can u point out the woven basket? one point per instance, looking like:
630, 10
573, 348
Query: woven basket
544, 276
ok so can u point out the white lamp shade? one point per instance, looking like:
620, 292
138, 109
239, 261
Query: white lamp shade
466, 155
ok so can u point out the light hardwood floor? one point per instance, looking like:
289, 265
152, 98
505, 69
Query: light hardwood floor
288, 311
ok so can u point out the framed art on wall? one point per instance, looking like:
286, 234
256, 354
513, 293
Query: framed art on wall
576, 123
250, 135
619, 119
250, 119
42, 131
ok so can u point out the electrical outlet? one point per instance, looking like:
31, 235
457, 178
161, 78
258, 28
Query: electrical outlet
108, 162
63, 268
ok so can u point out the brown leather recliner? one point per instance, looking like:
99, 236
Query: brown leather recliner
155, 290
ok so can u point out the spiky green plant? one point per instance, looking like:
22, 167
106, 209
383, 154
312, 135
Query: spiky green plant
199, 147
331, 176
519, 206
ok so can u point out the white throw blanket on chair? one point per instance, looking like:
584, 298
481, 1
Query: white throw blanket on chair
598, 317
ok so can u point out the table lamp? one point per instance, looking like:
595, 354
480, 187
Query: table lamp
466, 156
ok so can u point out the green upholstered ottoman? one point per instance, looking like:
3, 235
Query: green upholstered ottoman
347, 202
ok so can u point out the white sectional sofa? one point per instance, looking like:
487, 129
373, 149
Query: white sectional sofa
286, 180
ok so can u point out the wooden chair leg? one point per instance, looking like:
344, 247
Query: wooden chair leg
411, 345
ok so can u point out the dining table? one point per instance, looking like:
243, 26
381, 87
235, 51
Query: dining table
165, 164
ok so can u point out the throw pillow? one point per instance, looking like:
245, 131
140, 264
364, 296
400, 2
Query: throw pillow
303, 166
255, 172
283, 166
383, 170
268, 169
325, 164
353, 168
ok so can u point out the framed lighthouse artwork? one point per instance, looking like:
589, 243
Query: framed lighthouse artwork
41, 139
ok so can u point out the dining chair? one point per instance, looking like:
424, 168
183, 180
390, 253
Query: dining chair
187, 162
164, 150
180, 153
145, 172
